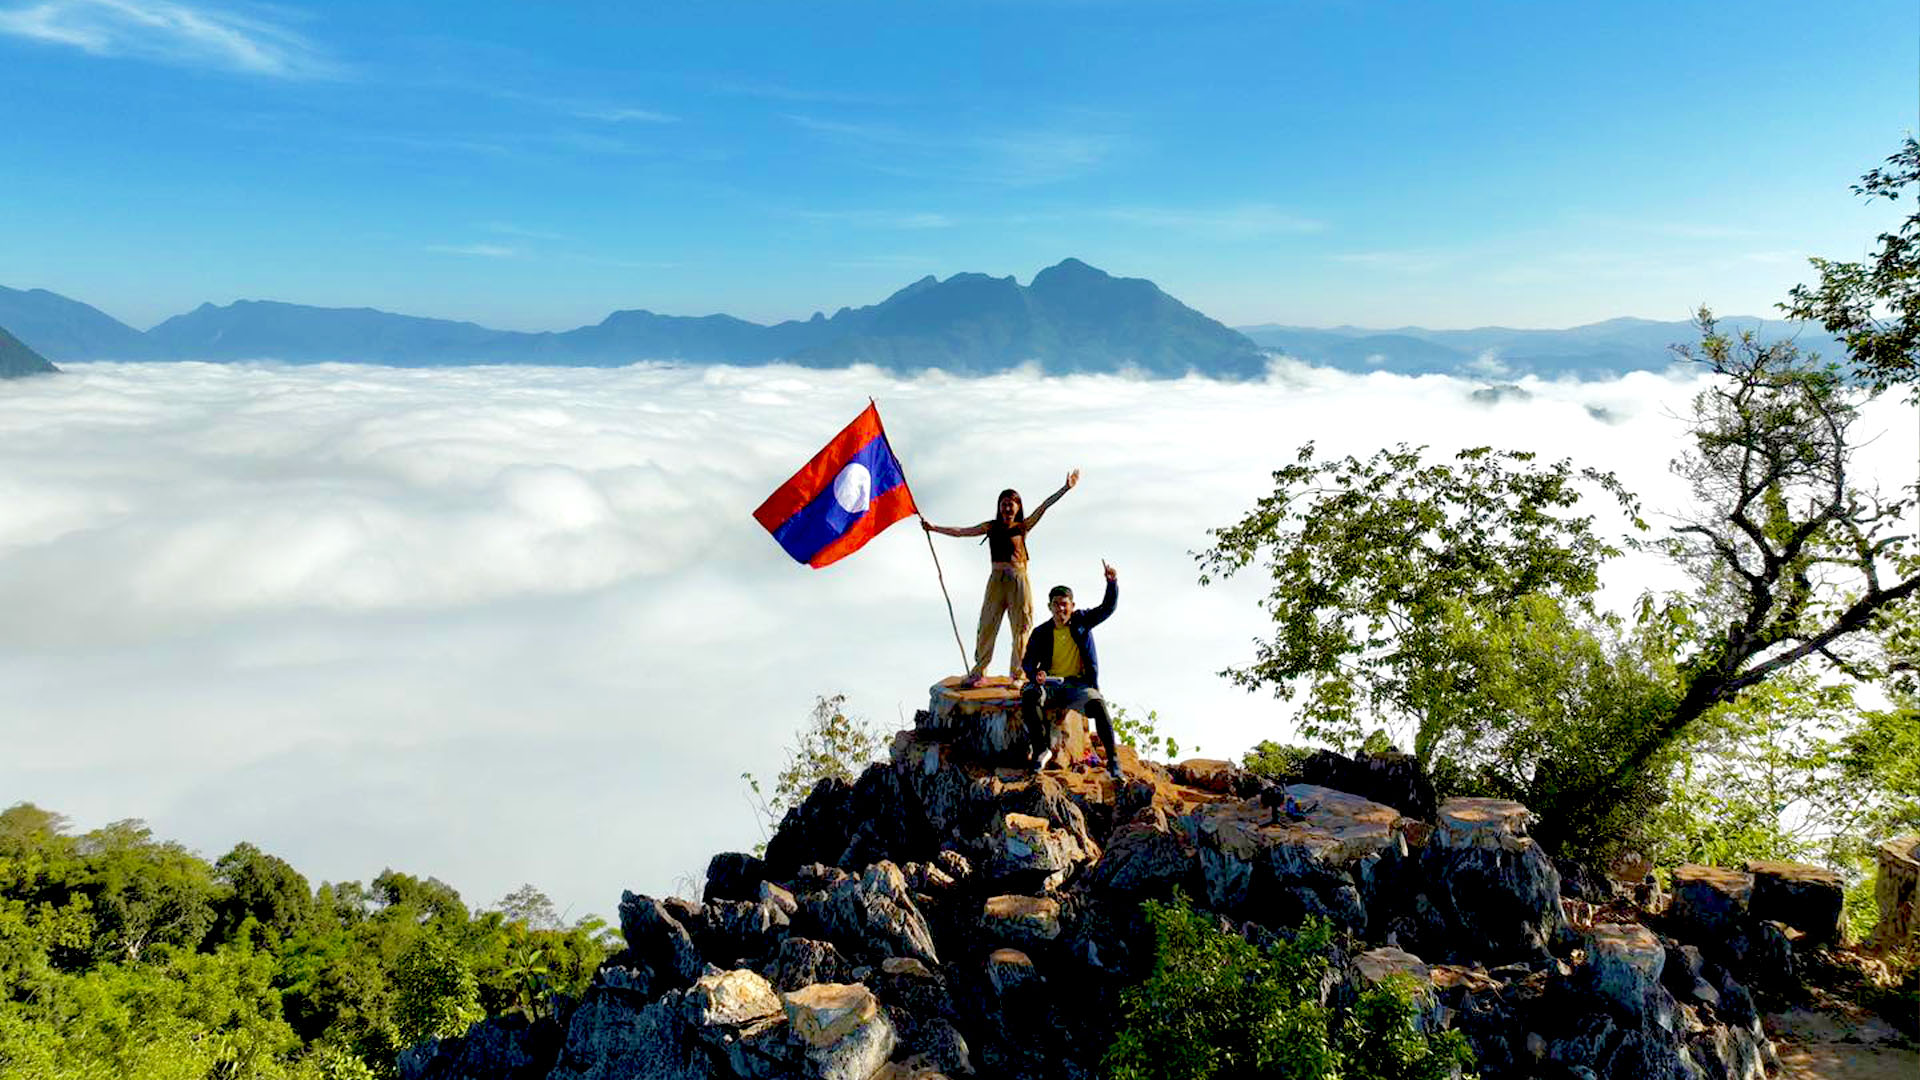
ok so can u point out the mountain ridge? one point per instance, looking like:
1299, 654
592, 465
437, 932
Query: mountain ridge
17, 360
1070, 318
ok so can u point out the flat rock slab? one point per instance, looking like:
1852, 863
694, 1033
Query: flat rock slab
825, 1013
1021, 920
1493, 824
1897, 891
732, 997
984, 721
1376, 965
1009, 970
1337, 828
1208, 774
1712, 899
1807, 898
1626, 960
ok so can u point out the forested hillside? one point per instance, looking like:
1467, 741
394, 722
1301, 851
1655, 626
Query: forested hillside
123, 955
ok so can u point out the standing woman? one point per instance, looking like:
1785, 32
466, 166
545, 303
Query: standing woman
1007, 590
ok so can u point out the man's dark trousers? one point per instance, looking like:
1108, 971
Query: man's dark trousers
1040, 695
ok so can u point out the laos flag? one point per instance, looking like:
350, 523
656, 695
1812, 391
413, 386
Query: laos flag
844, 497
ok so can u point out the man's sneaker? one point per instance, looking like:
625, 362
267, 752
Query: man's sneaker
1113, 770
1041, 762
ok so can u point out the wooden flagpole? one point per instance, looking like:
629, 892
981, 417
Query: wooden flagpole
952, 620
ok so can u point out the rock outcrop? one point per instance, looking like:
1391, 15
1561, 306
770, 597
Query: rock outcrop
947, 915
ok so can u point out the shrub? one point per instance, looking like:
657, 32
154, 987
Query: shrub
1217, 1005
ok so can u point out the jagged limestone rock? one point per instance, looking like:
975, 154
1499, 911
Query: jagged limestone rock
609, 1038
1024, 921
1207, 774
984, 723
771, 893
1897, 891
922, 1011
1150, 856
845, 1034
1489, 884
1807, 898
1377, 965
1277, 872
804, 961
734, 875
659, 940
1711, 901
1010, 971
825, 1013
731, 998
872, 917
1025, 851
1626, 961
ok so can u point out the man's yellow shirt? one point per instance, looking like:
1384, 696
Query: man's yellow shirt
1066, 654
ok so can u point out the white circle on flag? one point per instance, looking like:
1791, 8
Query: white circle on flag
853, 488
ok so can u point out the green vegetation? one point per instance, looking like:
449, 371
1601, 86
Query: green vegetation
1218, 1005
1143, 733
121, 955
832, 744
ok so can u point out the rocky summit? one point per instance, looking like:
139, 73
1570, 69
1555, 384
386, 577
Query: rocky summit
951, 914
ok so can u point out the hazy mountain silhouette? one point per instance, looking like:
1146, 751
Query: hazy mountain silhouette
17, 360
1071, 318
67, 329
1602, 348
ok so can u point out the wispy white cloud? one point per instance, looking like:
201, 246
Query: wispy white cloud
1400, 262
1016, 158
882, 219
185, 35
477, 251
1253, 219
623, 115
803, 95
919, 263
508, 228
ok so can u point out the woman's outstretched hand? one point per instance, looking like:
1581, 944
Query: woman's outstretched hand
1072, 479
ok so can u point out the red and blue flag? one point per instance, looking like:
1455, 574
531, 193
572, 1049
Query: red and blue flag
851, 491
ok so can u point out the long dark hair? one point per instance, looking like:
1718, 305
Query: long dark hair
1019, 508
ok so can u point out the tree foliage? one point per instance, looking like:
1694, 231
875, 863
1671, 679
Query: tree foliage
1874, 306
122, 955
833, 743
1365, 559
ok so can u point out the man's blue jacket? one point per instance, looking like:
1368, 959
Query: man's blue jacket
1080, 624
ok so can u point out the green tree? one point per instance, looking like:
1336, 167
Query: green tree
531, 908
1788, 554
1457, 602
1874, 306
833, 744
145, 893
435, 992
1365, 559
262, 888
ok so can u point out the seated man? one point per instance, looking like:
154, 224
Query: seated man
1063, 671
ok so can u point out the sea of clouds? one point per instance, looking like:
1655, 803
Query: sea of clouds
517, 624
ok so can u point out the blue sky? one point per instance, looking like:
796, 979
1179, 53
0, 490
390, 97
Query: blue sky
539, 165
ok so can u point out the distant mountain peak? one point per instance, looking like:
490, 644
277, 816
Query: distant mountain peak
17, 359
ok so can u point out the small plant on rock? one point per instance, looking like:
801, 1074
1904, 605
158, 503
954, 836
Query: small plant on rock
1143, 733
